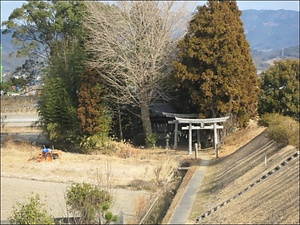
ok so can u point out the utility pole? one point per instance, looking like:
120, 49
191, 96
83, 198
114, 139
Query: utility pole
282, 52
1, 64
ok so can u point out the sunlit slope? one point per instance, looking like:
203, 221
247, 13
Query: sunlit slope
227, 196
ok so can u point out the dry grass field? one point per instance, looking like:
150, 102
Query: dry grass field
124, 167
132, 175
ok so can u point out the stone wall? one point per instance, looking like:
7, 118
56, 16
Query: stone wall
18, 104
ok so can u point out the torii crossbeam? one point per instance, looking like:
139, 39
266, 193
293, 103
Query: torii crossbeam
201, 125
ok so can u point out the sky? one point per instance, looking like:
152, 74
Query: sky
8, 6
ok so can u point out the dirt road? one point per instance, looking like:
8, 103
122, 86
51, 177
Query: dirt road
18, 119
52, 194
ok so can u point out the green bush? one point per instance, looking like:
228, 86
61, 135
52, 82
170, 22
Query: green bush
91, 203
151, 139
91, 143
31, 213
280, 89
282, 129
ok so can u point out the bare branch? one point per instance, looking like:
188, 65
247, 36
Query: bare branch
132, 45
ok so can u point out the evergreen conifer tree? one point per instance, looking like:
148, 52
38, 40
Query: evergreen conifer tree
93, 113
58, 102
214, 64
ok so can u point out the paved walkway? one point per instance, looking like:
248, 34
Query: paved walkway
182, 211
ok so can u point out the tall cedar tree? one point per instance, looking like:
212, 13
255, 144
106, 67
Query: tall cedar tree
214, 67
58, 101
92, 111
59, 98
280, 89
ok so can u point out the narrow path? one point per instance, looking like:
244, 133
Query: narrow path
182, 211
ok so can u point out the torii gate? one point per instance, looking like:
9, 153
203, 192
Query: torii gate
201, 125
173, 115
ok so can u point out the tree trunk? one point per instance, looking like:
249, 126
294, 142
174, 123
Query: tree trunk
145, 114
120, 122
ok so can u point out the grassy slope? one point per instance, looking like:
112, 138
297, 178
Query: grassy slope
275, 200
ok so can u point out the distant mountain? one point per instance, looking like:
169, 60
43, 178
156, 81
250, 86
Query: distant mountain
269, 32
271, 29
272, 34
9, 59
264, 59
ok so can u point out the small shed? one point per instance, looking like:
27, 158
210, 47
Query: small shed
159, 121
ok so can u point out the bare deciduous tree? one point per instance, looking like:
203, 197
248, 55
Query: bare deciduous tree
133, 45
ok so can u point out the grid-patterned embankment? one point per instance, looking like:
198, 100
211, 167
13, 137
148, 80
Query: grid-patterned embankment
265, 176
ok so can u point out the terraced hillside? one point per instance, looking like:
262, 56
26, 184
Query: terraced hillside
257, 184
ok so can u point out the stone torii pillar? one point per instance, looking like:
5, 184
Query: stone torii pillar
175, 122
175, 132
190, 138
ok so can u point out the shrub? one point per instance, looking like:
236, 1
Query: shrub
31, 213
151, 139
282, 129
139, 184
280, 89
91, 203
93, 142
